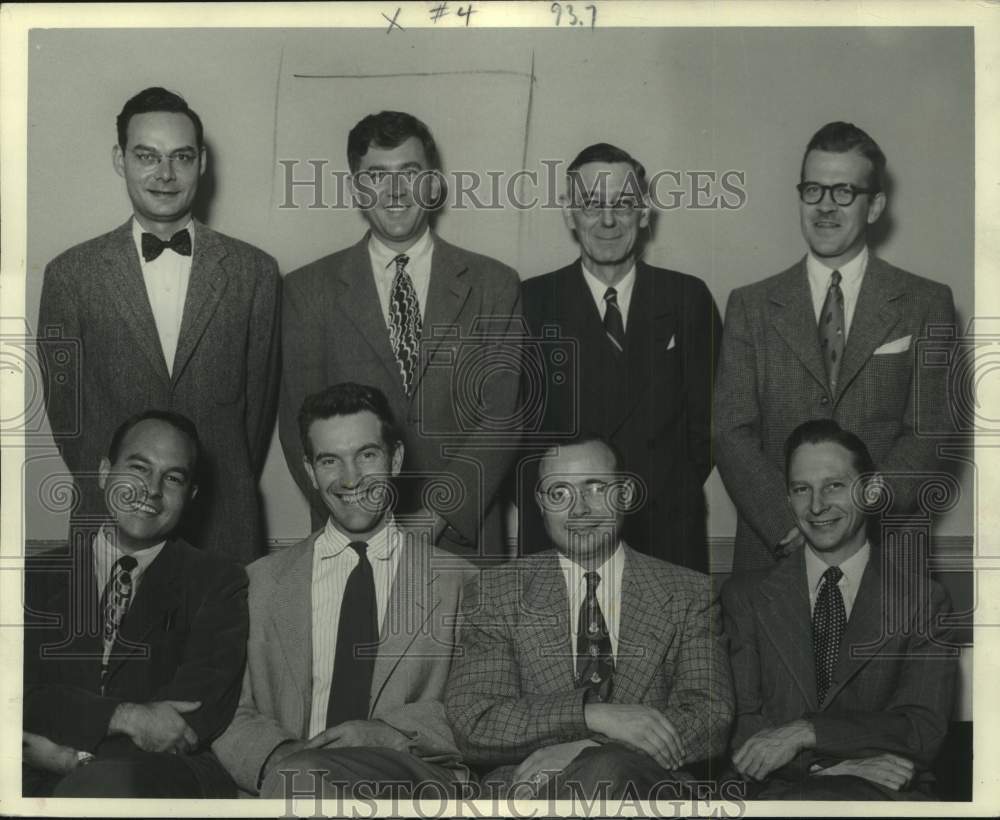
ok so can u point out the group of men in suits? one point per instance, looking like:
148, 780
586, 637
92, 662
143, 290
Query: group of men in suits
372, 655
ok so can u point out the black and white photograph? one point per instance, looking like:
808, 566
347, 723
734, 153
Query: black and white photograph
499, 409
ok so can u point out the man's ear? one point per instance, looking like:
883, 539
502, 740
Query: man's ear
397, 458
310, 472
102, 472
194, 492
118, 160
876, 207
202, 160
567, 211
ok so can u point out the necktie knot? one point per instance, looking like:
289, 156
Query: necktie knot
593, 579
833, 575
402, 260
361, 548
611, 295
126, 563
835, 278
153, 246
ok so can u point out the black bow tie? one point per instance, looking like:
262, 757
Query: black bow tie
153, 246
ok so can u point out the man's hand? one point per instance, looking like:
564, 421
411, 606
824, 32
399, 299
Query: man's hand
770, 749
156, 726
640, 727
793, 540
360, 733
535, 767
41, 753
889, 770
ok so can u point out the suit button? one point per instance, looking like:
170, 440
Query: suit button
824, 401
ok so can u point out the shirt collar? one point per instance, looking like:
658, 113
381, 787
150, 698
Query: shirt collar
853, 568
381, 546
623, 289
106, 553
383, 256
850, 272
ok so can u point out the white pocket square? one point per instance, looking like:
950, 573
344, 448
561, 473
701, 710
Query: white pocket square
672, 343
896, 346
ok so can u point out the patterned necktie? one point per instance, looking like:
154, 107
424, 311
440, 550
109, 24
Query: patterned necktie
829, 623
353, 667
404, 323
153, 246
115, 600
831, 330
613, 324
595, 662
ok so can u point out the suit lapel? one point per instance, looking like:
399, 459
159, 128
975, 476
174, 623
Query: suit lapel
786, 619
206, 286
291, 618
446, 295
644, 636
358, 301
545, 627
126, 293
794, 318
875, 316
75, 601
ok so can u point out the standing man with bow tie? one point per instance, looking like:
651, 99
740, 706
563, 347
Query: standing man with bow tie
167, 313
834, 336
431, 325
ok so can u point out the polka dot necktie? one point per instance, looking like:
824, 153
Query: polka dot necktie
829, 623
595, 662
404, 323
115, 600
614, 327
831, 330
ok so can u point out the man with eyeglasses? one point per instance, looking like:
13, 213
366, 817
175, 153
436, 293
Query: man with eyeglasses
165, 312
834, 336
591, 669
645, 344
433, 326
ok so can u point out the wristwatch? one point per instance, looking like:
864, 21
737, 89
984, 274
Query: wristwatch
83, 758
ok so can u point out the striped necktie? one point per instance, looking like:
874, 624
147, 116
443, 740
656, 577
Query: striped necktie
831, 330
614, 327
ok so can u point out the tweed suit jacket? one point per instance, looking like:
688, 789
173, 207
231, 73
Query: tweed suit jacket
334, 331
893, 686
414, 655
182, 638
654, 399
512, 687
771, 378
224, 377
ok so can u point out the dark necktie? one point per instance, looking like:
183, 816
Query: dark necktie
357, 642
153, 246
404, 323
613, 324
831, 330
595, 662
115, 600
829, 623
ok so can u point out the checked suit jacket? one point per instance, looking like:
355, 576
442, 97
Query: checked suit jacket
893, 685
415, 649
771, 378
224, 376
512, 687
653, 400
182, 638
469, 373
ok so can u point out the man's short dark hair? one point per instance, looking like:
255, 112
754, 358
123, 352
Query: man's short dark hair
155, 99
179, 422
607, 153
389, 129
346, 399
823, 431
592, 438
842, 137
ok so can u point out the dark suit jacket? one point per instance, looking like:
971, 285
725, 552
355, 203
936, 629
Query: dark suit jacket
771, 379
414, 655
512, 687
893, 687
183, 638
225, 373
334, 331
653, 400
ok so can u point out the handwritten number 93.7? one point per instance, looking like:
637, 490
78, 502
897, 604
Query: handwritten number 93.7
571, 19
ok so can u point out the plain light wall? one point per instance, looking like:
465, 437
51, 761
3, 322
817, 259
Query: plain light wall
678, 99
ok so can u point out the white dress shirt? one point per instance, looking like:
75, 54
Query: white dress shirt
851, 276
419, 269
166, 279
853, 569
609, 595
333, 562
106, 553
623, 289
